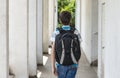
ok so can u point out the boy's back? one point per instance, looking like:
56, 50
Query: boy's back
65, 43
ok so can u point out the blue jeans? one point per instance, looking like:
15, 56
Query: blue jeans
66, 71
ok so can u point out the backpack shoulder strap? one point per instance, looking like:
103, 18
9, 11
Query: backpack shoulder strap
72, 29
60, 29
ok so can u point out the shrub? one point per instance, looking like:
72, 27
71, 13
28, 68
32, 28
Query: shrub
67, 5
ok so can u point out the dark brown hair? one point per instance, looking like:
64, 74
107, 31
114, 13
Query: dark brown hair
65, 17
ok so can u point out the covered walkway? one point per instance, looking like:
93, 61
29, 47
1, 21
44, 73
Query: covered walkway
84, 70
26, 26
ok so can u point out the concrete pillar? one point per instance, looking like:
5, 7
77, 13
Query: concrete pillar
55, 13
78, 15
101, 38
3, 39
18, 37
32, 38
86, 27
39, 31
99, 44
51, 17
94, 30
112, 39
45, 26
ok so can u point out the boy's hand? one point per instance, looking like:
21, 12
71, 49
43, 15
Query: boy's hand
54, 71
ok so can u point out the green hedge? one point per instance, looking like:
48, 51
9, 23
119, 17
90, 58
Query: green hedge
67, 5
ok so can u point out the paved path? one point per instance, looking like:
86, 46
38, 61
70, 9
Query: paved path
84, 69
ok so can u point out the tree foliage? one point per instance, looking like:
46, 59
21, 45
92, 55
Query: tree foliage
67, 5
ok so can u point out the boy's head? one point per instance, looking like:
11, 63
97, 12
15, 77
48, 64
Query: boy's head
65, 17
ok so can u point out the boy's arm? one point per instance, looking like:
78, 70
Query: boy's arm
53, 56
80, 54
53, 60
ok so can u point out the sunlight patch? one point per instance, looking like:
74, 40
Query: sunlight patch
39, 74
45, 58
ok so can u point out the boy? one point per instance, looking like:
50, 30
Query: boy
62, 68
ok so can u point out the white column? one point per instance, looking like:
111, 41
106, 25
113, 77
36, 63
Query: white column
78, 15
101, 38
100, 41
18, 37
112, 39
3, 39
55, 13
94, 30
45, 26
39, 32
32, 38
51, 17
86, 27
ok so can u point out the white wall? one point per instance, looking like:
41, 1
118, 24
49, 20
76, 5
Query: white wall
18, 38
3, 39
112, 41
86, 27
39, 31
32, 38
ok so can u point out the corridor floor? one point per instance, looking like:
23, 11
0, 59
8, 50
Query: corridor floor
84, 69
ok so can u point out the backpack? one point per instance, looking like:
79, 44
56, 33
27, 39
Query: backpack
67, 47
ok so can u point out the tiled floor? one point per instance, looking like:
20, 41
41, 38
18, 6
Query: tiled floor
84, 70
